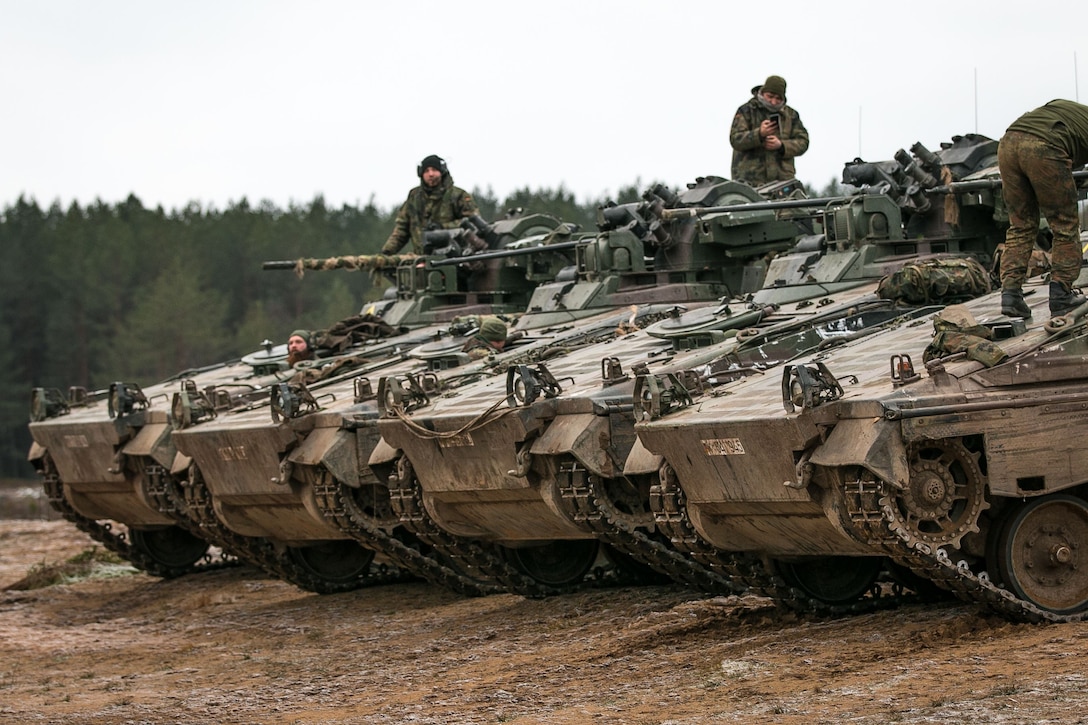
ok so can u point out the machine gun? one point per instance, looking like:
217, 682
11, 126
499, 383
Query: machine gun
474, 235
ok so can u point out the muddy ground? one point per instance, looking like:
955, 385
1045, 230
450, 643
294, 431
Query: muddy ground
234, 646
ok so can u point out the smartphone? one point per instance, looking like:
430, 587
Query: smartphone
776, 119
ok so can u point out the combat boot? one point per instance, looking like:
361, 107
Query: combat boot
1013, 305
1062, 299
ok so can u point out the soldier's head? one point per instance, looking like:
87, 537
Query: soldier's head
298, 346
432, 169
493, 330
773, 92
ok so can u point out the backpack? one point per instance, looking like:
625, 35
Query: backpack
943, 280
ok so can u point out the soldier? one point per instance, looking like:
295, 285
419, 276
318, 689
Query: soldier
491, 337
766, 136
435, 204
1036, 157
298, 347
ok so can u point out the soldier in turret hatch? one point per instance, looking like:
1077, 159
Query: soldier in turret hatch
491, 337
1036, 157
766, 136
298, 347
435, 204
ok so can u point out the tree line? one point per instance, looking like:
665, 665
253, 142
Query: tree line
100, 293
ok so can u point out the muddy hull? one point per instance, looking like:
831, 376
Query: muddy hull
103, 465
248, 471
739, 480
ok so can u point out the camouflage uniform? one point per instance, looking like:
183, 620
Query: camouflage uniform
478, 348
1036, 157
751, 162
492, 330
443, 206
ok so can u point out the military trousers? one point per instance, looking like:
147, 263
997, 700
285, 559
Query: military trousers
1037, 178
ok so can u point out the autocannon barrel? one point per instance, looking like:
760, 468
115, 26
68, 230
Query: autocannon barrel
984, 184
695, 212
361, 261
503, 253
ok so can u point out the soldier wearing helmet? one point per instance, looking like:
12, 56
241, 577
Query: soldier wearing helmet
435, 204
491, 337
766, 136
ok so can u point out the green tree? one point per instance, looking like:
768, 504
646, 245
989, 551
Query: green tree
256, 327
832, 188
175, 323
14, 406
119, 291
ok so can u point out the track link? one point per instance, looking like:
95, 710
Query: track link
400, 547
870, 523
748, 573
265, 554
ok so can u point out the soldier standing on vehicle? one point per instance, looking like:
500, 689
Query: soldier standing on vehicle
435, 204
1036, 157
766, 136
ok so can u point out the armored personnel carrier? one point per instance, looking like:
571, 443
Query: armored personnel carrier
304, 482
952, 458
109, 457
106, 457
929, 445
535, 464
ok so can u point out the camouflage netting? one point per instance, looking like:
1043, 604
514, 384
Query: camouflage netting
311, 371
340, 339
354, 262
352, 331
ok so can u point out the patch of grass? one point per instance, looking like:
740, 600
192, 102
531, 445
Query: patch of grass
1005, 690
93, 563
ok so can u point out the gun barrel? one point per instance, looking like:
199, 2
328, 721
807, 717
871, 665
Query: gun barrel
503, 253
362, 261
695, 212
984, 184
957, 187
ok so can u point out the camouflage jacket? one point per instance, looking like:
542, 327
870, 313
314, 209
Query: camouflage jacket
478, 348
444, 207
751, 163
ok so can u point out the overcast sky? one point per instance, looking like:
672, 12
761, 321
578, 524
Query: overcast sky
212, 101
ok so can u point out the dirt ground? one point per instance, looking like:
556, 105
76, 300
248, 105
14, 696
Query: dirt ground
232, 646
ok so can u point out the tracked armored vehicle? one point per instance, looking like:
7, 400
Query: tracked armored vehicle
109, 457
962, 469
106, 457
304, 481
535, 464
801, 484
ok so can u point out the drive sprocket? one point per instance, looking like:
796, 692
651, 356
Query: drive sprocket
943, 499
